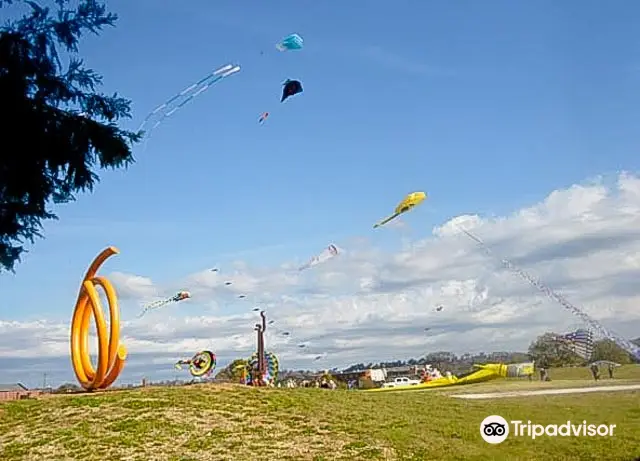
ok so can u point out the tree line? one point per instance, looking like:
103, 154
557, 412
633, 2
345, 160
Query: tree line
545, 350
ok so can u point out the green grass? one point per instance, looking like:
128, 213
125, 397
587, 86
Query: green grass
561, 378
208, 422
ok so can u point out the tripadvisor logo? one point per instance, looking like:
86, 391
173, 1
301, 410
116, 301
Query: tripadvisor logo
495, 429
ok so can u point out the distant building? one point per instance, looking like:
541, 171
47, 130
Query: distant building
16, 392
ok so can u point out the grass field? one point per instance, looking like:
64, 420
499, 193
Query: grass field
226, 422
561, 378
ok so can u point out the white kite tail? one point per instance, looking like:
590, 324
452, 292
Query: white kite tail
174, 103
153, 305
601, 330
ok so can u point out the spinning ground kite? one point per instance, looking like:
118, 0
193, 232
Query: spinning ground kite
593, 325
330, 252
170, 106
179, 296
290, 43
201, 364
290, 88
272, 367
410, 201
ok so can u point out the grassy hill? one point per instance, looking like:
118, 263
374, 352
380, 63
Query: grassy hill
228, 422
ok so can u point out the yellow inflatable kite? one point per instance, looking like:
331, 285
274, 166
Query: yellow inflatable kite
409, 202
481, 373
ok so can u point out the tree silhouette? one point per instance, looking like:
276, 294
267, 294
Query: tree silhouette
56, 129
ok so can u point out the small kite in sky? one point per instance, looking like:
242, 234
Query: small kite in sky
290, 88
328, 253
290, 43
179, 296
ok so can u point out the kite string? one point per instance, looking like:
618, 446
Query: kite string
604, 332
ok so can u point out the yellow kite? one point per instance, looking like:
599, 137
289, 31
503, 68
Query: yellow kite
409, 202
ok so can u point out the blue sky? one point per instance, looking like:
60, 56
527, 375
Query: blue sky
486, 106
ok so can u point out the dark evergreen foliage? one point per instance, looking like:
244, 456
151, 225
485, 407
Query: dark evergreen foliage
56, 130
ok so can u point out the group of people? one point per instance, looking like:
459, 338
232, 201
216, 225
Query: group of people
323, 383
429, 373
594, 367
595, 370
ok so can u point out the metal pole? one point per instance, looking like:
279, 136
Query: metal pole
261, 330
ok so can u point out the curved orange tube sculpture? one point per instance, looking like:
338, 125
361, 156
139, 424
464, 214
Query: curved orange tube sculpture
111, 354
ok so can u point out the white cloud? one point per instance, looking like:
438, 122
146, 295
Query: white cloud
132, 286
368, 305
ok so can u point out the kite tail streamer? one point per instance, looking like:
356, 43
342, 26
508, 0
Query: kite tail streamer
604, 332
167, 108
386, 220
150, 306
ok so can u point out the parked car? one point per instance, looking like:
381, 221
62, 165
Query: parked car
402, 381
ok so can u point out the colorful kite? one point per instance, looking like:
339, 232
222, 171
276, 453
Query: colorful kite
201, 364
580, 342
290, 43
409, 202
290, 88
263, 117
179, 296
330, 252
171, 105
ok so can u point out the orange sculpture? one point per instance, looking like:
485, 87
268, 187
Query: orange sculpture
111, 354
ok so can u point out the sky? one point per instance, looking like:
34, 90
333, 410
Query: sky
519, 120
